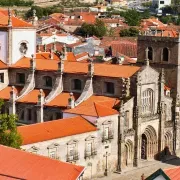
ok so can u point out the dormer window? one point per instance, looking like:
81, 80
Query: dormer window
76, 84
47, 81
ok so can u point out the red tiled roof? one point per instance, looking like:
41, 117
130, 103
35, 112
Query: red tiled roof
124, 47
62, 100
32, 96
5, 93
173, 173
18, 164
46, 55
95, 109
106, 70
54, 129
17, 23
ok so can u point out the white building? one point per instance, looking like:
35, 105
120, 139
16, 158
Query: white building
161, 3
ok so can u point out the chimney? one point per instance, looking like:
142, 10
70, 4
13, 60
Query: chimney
71, 101
12, 106
39, 106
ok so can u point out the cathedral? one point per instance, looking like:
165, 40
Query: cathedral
134, 107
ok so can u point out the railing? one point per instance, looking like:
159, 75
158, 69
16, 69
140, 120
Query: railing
89, 154
72, 157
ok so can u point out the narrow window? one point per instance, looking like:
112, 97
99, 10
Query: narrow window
77, 84
20, 78
2, 77
165, 54
29, 115
47, 81
53, 153
150, 53
109, 87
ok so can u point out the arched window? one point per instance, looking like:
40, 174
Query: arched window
165, 54
77, 85
150, 53
47, 81
147, 101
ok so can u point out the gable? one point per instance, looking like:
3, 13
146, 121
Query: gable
158, 175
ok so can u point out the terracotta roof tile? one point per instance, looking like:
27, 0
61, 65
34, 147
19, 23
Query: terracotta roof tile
95, 109
62, 100
17, 23
32, 97
3, 65
173, 173
106, 70
54, 129
5, 93
18, 164
46, 55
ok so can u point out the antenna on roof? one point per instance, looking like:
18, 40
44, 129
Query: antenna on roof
9, 17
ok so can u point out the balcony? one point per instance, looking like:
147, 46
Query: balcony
89, 154
72, 157
108, 137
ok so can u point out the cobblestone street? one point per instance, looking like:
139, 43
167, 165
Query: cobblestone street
146, 168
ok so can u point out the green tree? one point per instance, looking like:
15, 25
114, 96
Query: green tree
131, 32
8, 130
100, 28
132, 17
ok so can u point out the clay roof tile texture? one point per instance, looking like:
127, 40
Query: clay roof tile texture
18, 164
55, 129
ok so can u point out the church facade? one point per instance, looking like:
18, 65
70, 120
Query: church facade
135, 108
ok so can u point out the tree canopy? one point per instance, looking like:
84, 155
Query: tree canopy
98, 29
131, 32
8, 130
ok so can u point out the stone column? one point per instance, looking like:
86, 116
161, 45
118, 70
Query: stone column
40, 106
12, 101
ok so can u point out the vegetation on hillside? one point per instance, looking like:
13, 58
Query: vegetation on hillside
131, 32
16, 3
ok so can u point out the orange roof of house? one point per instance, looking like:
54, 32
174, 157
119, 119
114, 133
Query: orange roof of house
5, 93
173, 173
46, 55
17, 23
95, 109
71, 56
18, 164
54, 129
3, 65
62, 100
32, 96
106, 70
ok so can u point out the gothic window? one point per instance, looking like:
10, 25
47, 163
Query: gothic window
20, 78
47, 81
165, 54
147, 101
72, 151
77, 85
109, 87
23, 48
150, 53
2, 77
